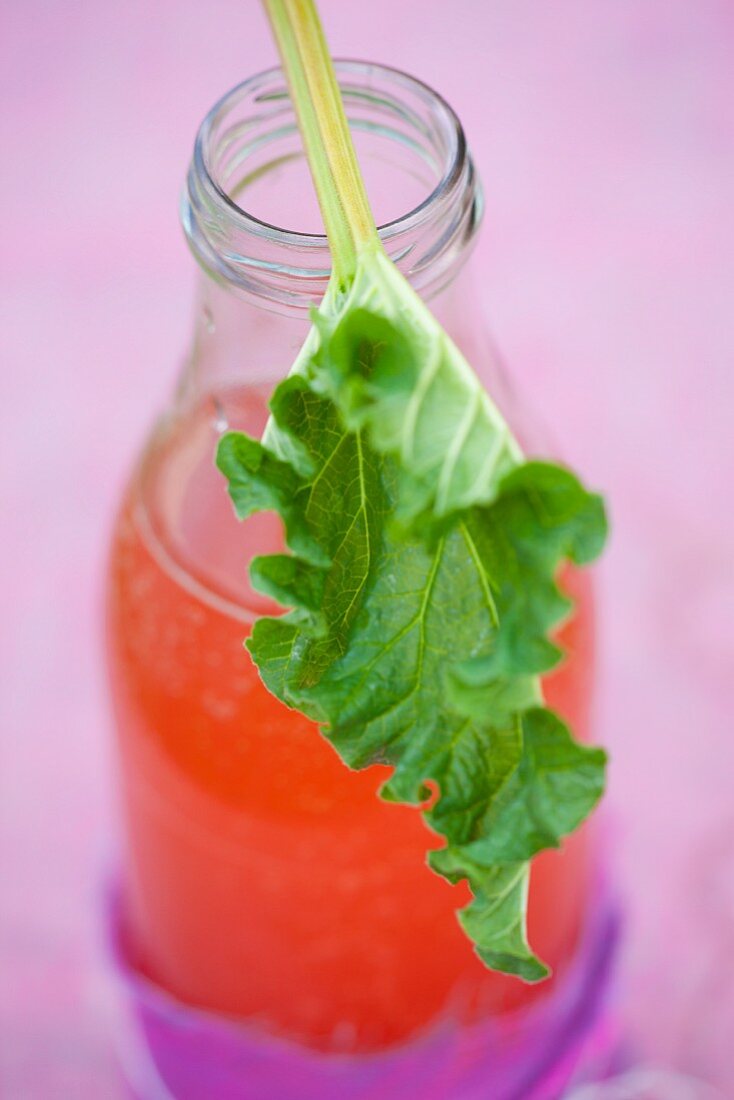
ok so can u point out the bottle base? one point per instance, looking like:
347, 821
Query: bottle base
171, 1051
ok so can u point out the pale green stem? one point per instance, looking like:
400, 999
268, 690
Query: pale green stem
315, 92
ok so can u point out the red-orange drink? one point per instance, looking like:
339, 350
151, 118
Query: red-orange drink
263, 878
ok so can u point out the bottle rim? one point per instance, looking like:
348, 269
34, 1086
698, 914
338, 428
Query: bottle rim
258, 257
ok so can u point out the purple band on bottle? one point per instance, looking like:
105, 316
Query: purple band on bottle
170, 1050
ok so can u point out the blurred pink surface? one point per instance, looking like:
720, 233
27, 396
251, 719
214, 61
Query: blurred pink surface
604, 133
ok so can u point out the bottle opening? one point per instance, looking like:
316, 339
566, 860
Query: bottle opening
249, 208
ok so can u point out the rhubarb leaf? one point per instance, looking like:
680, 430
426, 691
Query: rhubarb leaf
418, 644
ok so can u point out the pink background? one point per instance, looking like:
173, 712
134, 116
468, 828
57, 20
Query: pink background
604, 132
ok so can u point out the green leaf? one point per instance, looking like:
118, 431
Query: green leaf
416, 635
554, 787
258, 482
393, 372
495, 919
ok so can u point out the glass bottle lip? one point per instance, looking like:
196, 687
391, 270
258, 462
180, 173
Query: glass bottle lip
291, 267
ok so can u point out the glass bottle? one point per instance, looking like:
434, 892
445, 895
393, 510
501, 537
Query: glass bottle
261, 880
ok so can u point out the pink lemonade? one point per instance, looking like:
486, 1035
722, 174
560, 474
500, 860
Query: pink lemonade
264, 879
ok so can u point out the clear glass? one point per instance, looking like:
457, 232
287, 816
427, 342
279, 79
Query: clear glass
262, 880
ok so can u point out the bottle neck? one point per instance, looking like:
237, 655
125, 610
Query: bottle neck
235, 340
248, 178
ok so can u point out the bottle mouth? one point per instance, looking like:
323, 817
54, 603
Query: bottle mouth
248, 178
